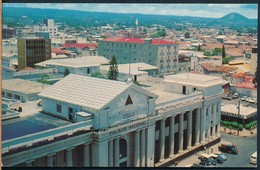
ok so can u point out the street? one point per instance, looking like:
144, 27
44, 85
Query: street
246, 147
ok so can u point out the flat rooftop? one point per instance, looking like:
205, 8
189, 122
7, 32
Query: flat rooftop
38, 122
194, 79
244, 111
166, 97
75, 62
23, 86
135, 68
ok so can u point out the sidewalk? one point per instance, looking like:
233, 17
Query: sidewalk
243, 133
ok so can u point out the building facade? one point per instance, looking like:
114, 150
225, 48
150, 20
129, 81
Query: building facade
32, 51
129, 126
160, 53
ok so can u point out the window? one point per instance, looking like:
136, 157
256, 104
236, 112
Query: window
58, 108
179, 69
88, 70
129, 100
194, 89
3, 93
9, 95
17, 97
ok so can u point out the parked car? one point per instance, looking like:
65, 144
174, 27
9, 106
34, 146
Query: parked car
203, 164
228, 147
218, 158
243, 98
226, 97
235, 96
249, 99
222, 155
207, 158
253, 158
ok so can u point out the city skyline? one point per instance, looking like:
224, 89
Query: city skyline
198, 10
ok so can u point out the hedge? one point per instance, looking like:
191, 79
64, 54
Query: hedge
251, 125
233, 125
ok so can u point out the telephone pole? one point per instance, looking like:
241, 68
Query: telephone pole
238, 109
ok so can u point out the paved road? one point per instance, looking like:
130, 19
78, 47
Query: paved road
246, 147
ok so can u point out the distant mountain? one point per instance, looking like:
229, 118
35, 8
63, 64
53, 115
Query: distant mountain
236, 19
84, 18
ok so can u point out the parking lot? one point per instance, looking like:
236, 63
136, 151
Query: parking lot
235, 102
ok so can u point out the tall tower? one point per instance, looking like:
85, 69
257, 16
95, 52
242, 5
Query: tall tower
136, 24
33, 50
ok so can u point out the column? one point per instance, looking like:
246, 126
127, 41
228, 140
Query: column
197, 129
202, 123
69, 161
162, 138
171, 135
86, 155
137, 149
116, 152
219, 117
143, 148
110, 153
209, 121
214, 119
181, 132
189, 124
50, 160
150, 142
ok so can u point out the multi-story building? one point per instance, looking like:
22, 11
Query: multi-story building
160, 53
32, 51
253, 61
117, 123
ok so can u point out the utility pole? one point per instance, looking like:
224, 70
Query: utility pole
238, 109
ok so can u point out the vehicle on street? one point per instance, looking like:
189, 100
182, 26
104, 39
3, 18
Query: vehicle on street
207, 158
243, 98
235, 96
228, 147
203, 164
218, 158
253, 158
226, 97
222, 155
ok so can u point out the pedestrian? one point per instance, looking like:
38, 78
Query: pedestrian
211, 149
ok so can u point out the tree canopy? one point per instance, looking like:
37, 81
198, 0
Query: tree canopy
187, 35
113, 69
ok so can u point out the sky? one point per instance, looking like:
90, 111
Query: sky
198, 10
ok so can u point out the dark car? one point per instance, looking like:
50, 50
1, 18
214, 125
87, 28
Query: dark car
207, 158
218, 158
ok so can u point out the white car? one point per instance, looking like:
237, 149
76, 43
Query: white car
253, 158
243, 98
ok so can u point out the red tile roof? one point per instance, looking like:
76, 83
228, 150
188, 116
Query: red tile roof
138, 40
218, 68
60, 51
80, 45
238, 75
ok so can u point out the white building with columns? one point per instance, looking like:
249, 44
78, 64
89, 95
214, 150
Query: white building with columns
118, 124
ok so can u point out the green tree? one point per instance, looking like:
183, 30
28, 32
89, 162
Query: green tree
227, 59
220, 33
113, 69
187, 35
223, 52
162, 33
199, 48
145, 30
66, 72
44, 79
217, 51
